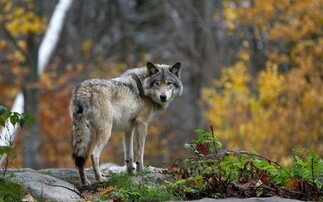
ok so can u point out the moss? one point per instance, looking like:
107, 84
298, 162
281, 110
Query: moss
10, 191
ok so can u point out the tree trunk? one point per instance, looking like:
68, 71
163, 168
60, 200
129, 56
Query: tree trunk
31, 136
205, 60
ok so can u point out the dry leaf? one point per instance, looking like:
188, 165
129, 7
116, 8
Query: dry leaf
28, 198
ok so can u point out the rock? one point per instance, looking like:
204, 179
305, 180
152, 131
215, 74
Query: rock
267, 199
72, 175
42, 186
54, 184
66, 174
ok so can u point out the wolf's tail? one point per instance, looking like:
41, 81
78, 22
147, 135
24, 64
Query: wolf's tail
81, 133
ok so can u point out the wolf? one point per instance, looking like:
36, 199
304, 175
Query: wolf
100, 107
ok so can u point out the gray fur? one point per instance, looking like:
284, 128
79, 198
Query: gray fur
125, 104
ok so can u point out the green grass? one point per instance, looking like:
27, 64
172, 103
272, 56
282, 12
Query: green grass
10, 191
125, 187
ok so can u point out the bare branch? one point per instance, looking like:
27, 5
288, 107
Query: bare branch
13, 40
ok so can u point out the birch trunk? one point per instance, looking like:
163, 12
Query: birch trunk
28, 99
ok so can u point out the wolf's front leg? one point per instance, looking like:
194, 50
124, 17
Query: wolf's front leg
141, 137
128, 150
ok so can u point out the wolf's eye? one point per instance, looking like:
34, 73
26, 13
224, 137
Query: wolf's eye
168, 83
157, 83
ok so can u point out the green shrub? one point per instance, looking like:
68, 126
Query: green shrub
15, 117
214, 172
10, 191
8, 151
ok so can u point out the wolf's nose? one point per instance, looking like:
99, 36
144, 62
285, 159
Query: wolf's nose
163, 98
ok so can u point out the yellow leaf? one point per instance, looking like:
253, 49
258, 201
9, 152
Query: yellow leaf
7, 7
86, 46
18, 12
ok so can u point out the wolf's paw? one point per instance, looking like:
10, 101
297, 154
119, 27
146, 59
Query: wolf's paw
131, 169
86, 183
139, 167
104, 175
130, 166
102, 178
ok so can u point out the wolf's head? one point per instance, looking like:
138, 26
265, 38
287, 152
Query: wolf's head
162, 83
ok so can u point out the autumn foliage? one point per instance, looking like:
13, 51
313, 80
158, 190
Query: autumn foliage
280, 108
268, 97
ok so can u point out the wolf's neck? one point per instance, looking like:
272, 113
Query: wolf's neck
139, 85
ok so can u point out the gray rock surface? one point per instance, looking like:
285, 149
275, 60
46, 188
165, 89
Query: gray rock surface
54, 184
269, 199
44, 186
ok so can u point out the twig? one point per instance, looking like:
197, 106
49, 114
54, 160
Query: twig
262, 157
12, 39
214, 144
211, 127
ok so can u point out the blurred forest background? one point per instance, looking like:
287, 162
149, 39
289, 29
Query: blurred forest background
251, 68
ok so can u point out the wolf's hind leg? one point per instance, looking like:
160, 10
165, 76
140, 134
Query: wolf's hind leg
104, 136
128, 150
83, 178
81, 143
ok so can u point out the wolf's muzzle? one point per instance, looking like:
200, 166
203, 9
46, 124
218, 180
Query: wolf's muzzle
163, 98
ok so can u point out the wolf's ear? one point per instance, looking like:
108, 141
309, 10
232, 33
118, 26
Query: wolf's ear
151, 69
176, 69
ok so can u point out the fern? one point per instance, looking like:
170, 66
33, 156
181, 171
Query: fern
309, 169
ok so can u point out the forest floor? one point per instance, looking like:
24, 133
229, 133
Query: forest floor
62, 185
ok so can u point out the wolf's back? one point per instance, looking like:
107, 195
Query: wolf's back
80, 109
